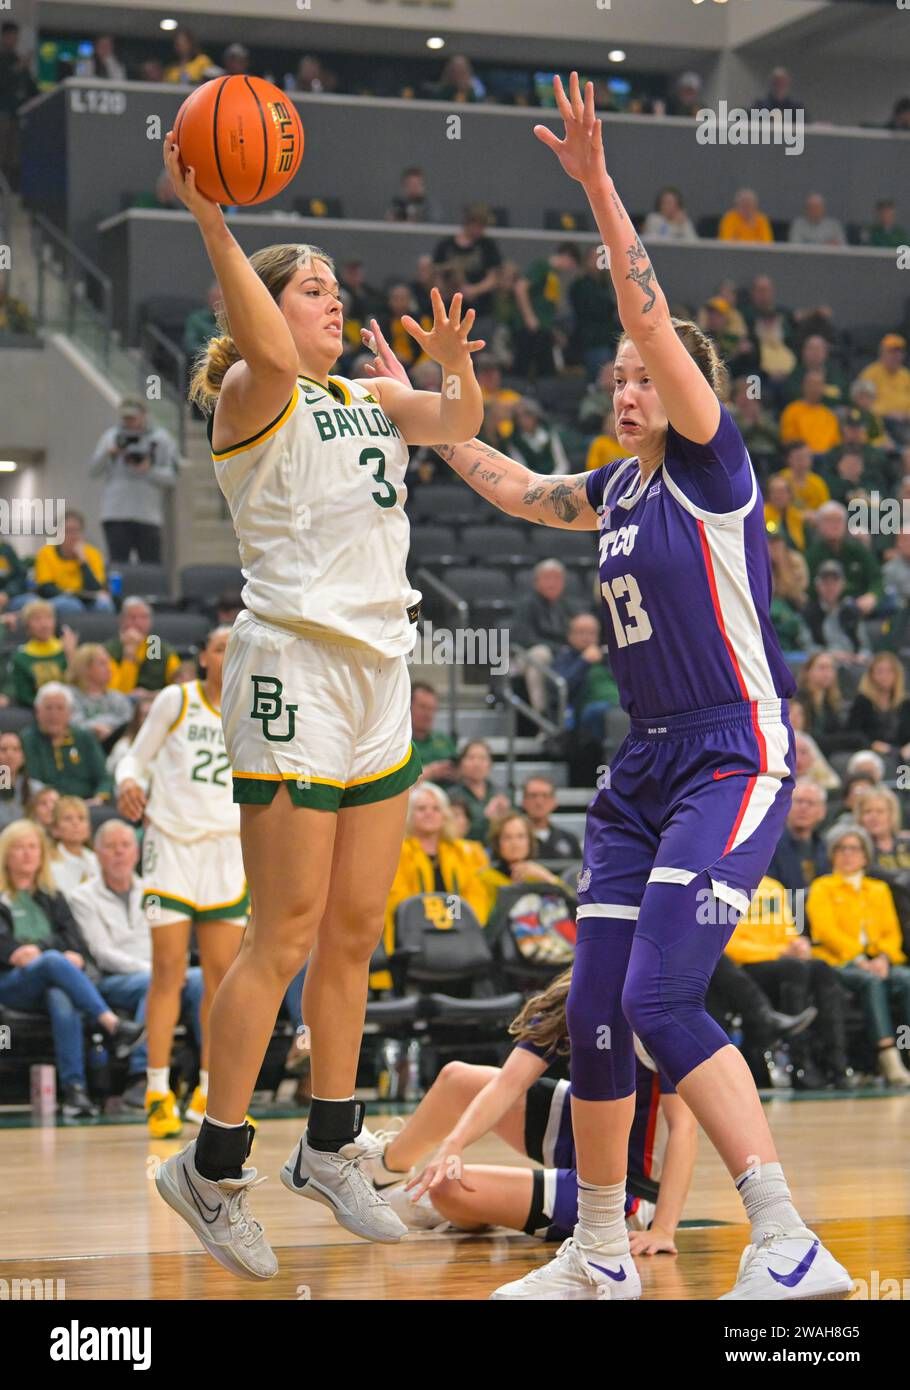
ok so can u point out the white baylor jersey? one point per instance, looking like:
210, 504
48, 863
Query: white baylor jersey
180, 750
317, 500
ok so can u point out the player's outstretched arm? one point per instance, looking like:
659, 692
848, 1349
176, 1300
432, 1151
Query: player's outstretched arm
514, 489
675, 1180
691, 405
260, 385
508, 485
456, 412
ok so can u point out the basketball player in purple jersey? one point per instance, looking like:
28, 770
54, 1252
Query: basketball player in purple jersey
697, 794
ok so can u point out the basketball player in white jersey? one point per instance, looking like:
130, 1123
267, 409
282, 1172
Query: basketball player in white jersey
316, 704
191, 862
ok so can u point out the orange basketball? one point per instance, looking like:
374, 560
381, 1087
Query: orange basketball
242, 136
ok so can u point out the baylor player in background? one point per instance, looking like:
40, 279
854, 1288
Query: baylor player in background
191, 863
316, 705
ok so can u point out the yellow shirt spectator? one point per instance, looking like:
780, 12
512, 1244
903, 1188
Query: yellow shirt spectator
817, 425
52, 568
892, 389
604, 449
810, 492
735, 227
767, 929
849, 919
790, 521
191, 72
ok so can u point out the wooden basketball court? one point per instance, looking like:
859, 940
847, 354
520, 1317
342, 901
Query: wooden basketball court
78, 1204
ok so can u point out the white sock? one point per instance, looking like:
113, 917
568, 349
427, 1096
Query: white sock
602, 1218
159, 1079
204, 1082
767, 1200
220, 1124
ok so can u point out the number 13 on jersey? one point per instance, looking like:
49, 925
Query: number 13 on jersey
632, 624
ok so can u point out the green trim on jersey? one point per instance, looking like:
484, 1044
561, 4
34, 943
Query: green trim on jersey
385, 787
323, 796
240, 907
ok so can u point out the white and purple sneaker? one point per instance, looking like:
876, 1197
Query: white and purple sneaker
793, 1266
577, 1272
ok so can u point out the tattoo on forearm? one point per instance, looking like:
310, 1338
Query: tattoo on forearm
565, 500
636, 252
486, 475
643, 278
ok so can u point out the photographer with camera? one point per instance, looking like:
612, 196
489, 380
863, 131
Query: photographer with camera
138, 463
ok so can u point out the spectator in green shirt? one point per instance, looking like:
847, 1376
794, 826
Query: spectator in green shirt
885, 230
202, 324
61, 755
815, 356
862, 574
542, 296
13, 574
437, 751
855, 430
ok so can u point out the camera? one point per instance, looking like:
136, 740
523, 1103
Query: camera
134, 445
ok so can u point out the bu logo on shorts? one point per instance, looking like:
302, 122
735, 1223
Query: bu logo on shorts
269, 707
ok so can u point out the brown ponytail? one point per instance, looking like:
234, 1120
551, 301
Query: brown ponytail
542, 1021
276, 266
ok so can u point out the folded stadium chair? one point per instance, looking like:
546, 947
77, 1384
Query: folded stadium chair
182, 630
501, 217
535, 969
14, 718
145, 581
457, 504
503, 545
200, 585
93, 627
708, 226
441, 946
571, 547
434, 546
481, 582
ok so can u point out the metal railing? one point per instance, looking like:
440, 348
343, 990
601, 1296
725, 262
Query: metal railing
515, 705
456, 602
86, 289
152, 345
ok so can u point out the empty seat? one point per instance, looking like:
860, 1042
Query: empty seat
182, 630
92, 627
201, 584
494, 542
144, 580
445, 502
480, 582
562, 220
434, 545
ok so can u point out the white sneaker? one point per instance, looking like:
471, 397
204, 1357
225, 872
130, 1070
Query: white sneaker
217, 1213
374, 1144
794, 1266
417, 1216
577, 1272
642, 1216
338, 1182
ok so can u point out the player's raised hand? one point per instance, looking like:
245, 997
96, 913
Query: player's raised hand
447, 341
184, 181
581, 153
385, 363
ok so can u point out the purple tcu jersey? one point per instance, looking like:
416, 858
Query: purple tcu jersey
686, 579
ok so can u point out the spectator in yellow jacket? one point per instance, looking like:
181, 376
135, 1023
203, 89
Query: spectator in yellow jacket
855, 928
432, 860
71, 575
744, 221
768, 946
809, 418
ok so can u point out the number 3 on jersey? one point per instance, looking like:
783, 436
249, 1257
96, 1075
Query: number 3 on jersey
633, 625
389, 497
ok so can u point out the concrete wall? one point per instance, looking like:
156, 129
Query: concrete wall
141, 249
356, 147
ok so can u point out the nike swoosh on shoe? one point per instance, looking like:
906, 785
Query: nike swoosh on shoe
802, 1269
618, 1275
201, 1205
